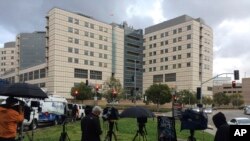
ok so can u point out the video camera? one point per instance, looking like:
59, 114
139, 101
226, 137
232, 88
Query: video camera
110, 113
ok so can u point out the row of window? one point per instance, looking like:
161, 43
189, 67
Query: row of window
83, 73
165, 34
175, 40
4, 52
170, 77
87, 34
87, 24
87, 62
87, 43
166, 67
165, 59
166, 50
87, 53
4, 57
37, 74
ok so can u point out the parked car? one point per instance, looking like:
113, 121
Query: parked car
197, 109
239, 121
247, 110
208, 110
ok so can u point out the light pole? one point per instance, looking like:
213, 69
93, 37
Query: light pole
173, 98
135, 83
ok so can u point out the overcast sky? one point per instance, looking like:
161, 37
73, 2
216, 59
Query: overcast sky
229, 19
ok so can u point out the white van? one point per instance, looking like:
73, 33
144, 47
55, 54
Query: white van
53, 110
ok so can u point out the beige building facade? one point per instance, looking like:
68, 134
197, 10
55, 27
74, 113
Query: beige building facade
179, 53
80, 48
8, 59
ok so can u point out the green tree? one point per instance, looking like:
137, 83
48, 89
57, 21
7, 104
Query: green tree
207, 100
186, 97
82, 92
158, 94
236, 100
110, 86
221, 99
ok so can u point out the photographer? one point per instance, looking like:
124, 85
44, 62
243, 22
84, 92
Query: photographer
90, 125
9, 118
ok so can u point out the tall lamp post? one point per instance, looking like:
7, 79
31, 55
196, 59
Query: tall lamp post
173, 98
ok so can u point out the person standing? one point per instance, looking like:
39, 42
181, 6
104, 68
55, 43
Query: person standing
9, 119
90, 125
223, 129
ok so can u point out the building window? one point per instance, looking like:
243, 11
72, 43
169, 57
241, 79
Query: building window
70, 59
76, 31
189, 27
188, 55
162, 35
86, 52
162, 59
86, 62
81, 73
162, 51
174, 40
150, 69
76, 21
166, 67
42, 73
179, 65
70, 49
86, 34
158, 78
100, 28
86, 24
174, 49
166, 33
179, 47
76, 41
21, 77
36, 74
92, 35
174, 66
166, 50
162, 43
86, 43
105, 56
100, 64
70, 19
92, 26
100, 55
76, 60
76, 51
155, 37
189, 36
179, 30
170, 77
154, 68
70, 39
179, 56
174, 31
91, 63
91, 53
166, 59
31, 75
70, 29
179, 39
100, 37
161, 68
105, 47
166, 42
95, 75
188, 45
154, 44
188, 64
91, 44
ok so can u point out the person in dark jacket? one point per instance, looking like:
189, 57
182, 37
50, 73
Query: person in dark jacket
90, 125
223, 130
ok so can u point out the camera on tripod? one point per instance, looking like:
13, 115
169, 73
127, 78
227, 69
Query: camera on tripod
110, 113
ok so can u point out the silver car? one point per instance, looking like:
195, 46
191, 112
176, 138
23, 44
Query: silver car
208, 110
239, 121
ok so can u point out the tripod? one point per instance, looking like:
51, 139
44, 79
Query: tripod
191, 137
64, 135
110, 132
141, 132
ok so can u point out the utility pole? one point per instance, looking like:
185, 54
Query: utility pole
135, 83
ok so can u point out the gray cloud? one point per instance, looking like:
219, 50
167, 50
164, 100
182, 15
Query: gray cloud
29, 15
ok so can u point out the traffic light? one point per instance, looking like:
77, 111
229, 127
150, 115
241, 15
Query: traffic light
236, 75
198, 96
233, 84
96, 88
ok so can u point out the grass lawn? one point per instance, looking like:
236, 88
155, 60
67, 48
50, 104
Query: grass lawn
127, 128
